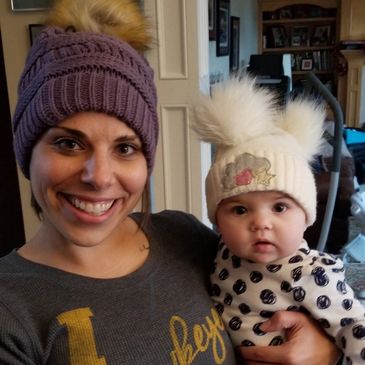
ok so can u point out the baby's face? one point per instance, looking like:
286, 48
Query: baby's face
261, 226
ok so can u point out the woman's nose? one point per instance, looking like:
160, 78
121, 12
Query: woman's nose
98, 171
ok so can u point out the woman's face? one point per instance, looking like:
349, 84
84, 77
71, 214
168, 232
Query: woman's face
87, 175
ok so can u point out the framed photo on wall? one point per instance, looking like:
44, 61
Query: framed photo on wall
234, 55
30, 5
223, 27
322, 36
212, 19
279, 36
300, 36
307, 64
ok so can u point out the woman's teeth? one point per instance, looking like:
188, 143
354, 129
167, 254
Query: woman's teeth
92, 208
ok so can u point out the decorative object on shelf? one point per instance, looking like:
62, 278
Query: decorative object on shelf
285, 13
300, 36
30, 5
322, 35
212, 19
279, 36
223, 18
307, 64
234, 56
34, 30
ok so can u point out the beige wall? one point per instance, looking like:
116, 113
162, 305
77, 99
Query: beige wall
15, 39
353, 20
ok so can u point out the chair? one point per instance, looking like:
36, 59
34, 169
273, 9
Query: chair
274, 72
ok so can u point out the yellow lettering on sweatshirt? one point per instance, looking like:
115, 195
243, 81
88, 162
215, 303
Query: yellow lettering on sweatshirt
204, 336
81, 337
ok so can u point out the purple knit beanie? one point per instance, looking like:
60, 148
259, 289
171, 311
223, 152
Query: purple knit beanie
68, 72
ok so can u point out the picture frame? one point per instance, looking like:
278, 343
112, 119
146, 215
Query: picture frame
34, 30
300, 36
307, 64
223, 27
212, 19
279, 37
234, 54
321, 35
30, 5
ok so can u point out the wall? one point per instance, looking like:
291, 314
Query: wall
15, 38
352, 20
246, 10
352, 85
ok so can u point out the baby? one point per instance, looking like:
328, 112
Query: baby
261, 195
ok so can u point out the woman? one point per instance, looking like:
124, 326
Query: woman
99, 284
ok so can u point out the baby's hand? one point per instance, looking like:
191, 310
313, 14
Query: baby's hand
306, 343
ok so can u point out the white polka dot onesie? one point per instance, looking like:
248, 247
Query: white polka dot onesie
248, 293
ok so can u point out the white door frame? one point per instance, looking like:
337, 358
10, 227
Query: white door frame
181, 63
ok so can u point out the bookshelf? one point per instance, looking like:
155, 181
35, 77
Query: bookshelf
308, 31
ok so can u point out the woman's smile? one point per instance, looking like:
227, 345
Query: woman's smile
93, 208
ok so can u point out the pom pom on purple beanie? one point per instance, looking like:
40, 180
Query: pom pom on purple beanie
69, 72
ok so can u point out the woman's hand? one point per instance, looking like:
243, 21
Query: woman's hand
306, 343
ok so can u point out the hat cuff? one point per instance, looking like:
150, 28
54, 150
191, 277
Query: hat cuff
285, 173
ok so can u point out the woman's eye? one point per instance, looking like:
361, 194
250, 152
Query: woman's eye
239, 210
126, 149
67, 144
280, 207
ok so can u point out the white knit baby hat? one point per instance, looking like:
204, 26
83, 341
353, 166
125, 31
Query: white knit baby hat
259, 147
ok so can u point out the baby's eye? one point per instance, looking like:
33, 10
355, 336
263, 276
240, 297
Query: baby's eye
280, 207
67, 144
239, 210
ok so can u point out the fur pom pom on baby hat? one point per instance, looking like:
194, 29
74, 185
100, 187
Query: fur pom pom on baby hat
259, 147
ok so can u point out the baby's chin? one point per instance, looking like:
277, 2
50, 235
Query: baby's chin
263, 258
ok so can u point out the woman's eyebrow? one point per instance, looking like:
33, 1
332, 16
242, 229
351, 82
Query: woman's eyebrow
76, 132
127, 137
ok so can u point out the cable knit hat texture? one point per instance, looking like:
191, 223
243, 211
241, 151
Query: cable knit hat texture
73, 71
258, 146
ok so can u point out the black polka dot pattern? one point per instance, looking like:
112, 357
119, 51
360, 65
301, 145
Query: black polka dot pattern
244, 308
256, 329
239, 287
236, 262
235, 323
256, 276
228, 299
276, 341
246, 294
298, 294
